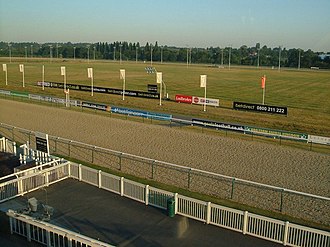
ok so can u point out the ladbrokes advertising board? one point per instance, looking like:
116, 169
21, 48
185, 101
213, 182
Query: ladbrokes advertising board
195, 100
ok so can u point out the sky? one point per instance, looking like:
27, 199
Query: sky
301, 24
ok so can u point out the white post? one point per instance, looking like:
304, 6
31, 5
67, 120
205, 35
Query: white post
123, 77
147, 194
286, 231
4, 68
205, 98
159, 80
43, 77
263, 96
176, 202
92, 82
122, 186
100, 178
245, 222
28, 232
79, 172
203, 79
208, 213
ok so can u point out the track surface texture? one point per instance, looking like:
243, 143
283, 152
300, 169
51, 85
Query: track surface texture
276, 165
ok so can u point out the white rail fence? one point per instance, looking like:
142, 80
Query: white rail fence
23, 182
241, 221
48, 234
289, 202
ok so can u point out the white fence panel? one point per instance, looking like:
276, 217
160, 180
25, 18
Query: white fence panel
89, 175
265, 228
134, 190
192, 208
74, 170
48, 234
307, 237
227, 217
158, 198
110, 182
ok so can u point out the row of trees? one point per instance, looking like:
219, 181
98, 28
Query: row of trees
244, 55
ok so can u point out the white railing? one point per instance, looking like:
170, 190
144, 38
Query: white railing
242, 221
39, 178
48, 234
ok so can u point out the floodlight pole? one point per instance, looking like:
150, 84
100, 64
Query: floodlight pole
136, 53
94, 52
229, 57
50, 53
114, 53
258, 58
120, 52
151, 54
88, 53
74, 53
299, 60
222, 57
279, 59
161, 54
9, 46
25, 54
31, 51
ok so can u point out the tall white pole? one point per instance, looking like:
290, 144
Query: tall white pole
25, 54
229, 57
74, 53
43, 77
258, 58
120, 52
299, 60
136, 53
92, 82
205, 98
6, 78
263, 89
279, 59
159, 80
23, 77
124, 85
31, 51
151, 54
160, 93
161, 54
9, 46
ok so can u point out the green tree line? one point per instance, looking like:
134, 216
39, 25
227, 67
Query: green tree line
244, 55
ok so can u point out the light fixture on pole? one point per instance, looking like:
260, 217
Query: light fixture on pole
63, 73
4, 68
91, 76
159, 76
74, 53
122, 76
203, 79
21, 69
